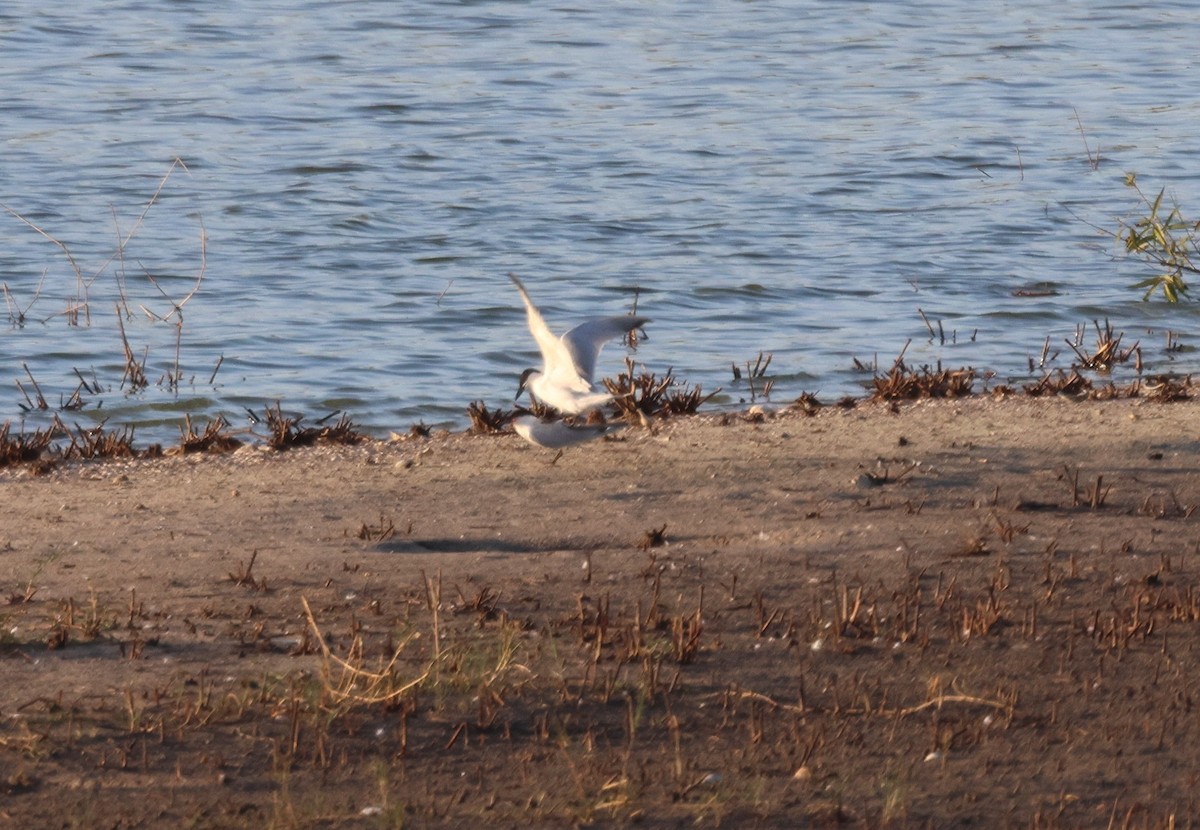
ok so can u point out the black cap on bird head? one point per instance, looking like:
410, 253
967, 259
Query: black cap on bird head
524, 382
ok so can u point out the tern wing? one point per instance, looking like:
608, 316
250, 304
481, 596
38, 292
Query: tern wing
584, 342
556, 358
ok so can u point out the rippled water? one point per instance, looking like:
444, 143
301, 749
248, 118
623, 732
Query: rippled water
797, 178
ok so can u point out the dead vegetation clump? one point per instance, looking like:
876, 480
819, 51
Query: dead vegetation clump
23, 449
1059, 382
644, 394
486, 421
1160, 389
1166, 388
1108, 351
286, 432
96, 442
214, 439
244, 576
807, 403
86, 444
904, 383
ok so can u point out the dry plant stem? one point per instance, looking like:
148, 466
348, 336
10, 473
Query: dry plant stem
760, 366
134, 367
80, 282
16, 314
246, 575
1093, 159
385, 531
433, 599
759, 372
123, 240
216, 369
935, 702
1046, 356
925, 319
177, 305
135, 373
41, 399
122, 294
93, 387
631, 338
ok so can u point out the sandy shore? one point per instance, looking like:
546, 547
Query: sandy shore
947, 613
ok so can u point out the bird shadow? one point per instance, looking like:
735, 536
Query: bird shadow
486, 545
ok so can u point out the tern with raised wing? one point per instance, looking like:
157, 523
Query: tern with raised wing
568, 362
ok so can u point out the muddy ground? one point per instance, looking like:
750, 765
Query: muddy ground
967, 614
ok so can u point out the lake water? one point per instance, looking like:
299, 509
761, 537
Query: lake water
793, 178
